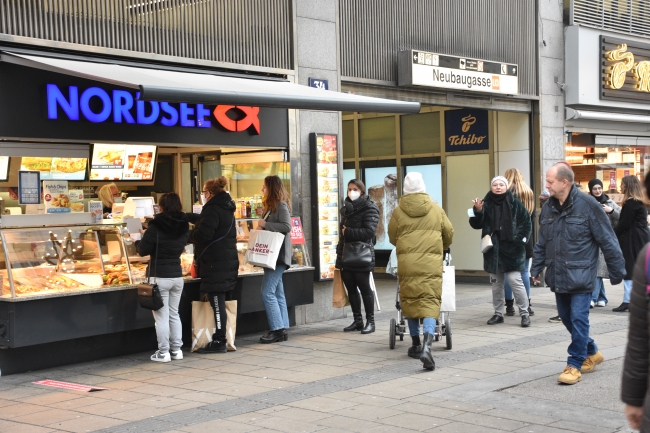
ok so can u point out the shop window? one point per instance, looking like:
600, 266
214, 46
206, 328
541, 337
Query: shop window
420, 133
348, 175
432, 176
381, 183
377, 136
348, 139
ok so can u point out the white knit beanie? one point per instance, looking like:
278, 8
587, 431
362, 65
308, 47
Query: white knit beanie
502, 179
413, 183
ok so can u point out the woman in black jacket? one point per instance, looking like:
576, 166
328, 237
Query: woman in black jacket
632, 231
215, 253
359, 219
164, 241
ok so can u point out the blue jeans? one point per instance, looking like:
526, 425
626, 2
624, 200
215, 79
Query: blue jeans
627, 287
574, 312
428, 326
525, 276
599, 291
273, 298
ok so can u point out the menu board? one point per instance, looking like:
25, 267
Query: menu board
4, 168
55, 168
122, 162
325, 196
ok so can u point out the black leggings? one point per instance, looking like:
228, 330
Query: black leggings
360, 280
218, 303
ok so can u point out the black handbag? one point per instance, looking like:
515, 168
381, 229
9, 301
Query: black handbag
148, 294
357, 254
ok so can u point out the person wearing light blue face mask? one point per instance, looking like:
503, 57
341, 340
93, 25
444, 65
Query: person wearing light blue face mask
359, 219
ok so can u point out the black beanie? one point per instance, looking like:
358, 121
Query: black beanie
593, 183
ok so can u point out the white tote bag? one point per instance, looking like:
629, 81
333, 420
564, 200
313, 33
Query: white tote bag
448, 302
264, 248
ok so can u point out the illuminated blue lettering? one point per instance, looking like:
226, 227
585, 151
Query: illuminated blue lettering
201, 112
173, 114
122, 103
185, 113
84, 102
142, 118
70, 106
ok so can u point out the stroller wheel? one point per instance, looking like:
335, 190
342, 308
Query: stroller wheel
401, 337
391, 335
448, 332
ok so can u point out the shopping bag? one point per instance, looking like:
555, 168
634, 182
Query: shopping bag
203, 324
339, 293
448, 289
231, 324
264, 248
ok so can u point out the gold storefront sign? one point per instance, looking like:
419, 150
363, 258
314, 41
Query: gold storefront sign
625, 70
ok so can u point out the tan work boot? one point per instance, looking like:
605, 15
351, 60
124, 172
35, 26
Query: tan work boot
591, 362
570, 375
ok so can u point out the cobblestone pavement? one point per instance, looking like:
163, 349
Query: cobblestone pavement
496, 378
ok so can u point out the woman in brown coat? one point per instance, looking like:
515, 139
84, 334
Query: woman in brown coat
636, 370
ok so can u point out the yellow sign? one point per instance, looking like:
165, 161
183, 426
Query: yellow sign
617, 72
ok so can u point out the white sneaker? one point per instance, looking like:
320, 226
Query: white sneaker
161, 357
177, 355
592, 304
601, 304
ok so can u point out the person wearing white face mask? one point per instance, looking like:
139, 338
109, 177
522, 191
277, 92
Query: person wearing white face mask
359, 219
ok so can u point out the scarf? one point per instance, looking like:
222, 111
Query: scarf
602, 199
501, 215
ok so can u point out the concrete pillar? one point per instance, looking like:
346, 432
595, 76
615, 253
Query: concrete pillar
317, 56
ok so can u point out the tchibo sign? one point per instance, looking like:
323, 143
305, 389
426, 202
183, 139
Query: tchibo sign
419, 68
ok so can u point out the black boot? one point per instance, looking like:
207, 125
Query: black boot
369, 305
530, 310
214, 347
357, 325
273, 336
416, 349
427, 356
622, 308
510, 309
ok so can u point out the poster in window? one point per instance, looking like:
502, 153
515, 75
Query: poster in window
325, 202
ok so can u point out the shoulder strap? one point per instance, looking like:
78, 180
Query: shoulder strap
216, 240
647, 271
155, 261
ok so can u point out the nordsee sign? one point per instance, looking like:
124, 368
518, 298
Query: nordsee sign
419, 68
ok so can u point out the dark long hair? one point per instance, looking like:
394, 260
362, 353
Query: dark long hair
170, 202
275, 193
358, 184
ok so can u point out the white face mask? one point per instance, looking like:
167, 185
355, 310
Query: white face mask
203, 199
354, 195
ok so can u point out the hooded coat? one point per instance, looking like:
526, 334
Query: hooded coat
164, 241
504, 256
360, 221
420, 231
219, 264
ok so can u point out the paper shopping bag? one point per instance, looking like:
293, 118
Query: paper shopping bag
448, 302
339, 293
203, 324
231, 324
264, 248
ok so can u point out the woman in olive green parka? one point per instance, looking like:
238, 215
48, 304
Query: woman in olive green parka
420, 231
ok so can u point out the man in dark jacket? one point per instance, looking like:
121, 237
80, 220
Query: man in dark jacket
573, 226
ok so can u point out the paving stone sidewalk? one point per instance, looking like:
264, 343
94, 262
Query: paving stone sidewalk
496, 378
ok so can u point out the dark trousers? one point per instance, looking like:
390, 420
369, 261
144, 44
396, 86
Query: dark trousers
218, 303
360, 281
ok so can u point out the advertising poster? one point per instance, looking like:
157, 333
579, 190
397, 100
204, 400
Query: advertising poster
382, 189
56, 168
122, 162
326, 202
29, 187
297, 235
55, 195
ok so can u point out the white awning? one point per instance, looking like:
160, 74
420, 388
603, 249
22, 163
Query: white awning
174, 86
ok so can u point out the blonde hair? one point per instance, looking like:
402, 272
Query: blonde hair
519, 189
632, 189
106, 195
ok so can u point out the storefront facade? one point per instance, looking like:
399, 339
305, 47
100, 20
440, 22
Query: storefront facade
477, 118
606, 96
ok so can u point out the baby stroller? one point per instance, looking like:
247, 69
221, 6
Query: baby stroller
399, 326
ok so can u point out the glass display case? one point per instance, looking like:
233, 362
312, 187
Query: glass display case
56, 260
